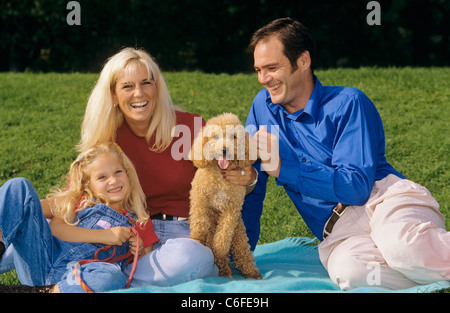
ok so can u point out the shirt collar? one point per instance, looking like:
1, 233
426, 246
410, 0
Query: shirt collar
312, 107
315, 100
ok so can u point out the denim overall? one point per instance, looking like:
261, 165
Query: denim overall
42, 259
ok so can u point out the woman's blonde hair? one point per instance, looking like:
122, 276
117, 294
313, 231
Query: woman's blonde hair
102, 118
78, 194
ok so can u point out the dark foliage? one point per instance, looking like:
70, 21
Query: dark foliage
212, 36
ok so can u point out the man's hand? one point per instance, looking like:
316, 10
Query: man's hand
268, 151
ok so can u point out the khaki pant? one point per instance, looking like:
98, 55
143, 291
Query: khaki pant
396, 240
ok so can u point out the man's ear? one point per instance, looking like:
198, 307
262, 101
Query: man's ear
304, 61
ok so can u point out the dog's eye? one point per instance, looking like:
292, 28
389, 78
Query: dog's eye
216, 137
232, 136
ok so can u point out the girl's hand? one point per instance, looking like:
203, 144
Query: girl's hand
116, 236
133, 245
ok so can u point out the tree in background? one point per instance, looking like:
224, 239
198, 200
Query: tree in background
212, 36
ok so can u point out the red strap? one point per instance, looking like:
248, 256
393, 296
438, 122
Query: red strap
110, 259
135, 259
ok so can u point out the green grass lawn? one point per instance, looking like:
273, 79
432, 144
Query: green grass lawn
40, 118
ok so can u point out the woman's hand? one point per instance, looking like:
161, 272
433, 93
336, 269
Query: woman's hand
235, 176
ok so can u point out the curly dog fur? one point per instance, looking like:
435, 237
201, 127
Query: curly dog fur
215, 213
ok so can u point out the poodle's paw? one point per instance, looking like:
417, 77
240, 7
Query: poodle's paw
252, 273
226, 271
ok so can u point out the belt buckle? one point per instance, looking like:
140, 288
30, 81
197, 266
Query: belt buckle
337, 207
339, 210
166, 217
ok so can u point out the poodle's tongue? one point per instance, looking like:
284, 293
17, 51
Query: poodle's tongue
223, 162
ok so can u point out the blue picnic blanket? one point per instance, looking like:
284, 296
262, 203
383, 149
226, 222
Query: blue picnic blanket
286, 266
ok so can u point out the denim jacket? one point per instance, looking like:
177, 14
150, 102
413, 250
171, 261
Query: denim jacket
99, 216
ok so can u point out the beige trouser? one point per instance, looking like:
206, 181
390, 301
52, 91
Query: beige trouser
396, 240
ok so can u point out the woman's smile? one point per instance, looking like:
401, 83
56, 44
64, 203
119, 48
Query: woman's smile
136, 94
139, 105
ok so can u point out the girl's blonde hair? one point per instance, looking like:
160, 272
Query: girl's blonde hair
102, 118
78, 194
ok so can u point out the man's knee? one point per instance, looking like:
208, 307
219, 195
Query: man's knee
347, 272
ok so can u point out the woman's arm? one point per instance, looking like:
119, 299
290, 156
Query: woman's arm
113, 236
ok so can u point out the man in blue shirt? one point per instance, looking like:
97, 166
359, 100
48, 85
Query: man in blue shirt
326, 147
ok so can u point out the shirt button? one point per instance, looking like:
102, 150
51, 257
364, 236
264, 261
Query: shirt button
304, 160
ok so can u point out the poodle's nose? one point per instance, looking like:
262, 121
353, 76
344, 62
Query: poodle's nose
224, 151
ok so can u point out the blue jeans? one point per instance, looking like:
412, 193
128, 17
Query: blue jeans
40, 258
175, 259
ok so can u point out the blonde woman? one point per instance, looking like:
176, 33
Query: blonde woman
102, 200
130, 105
131, 89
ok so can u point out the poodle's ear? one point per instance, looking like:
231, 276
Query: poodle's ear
196, 153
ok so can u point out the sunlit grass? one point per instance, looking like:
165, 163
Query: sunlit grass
40, 117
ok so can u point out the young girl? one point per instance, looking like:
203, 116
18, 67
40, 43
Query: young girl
103, 199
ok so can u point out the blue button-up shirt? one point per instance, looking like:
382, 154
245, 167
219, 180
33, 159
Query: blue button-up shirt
332, 151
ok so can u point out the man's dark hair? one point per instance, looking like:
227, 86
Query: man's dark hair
295, 37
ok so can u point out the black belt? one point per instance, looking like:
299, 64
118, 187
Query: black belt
338, 210
166, 217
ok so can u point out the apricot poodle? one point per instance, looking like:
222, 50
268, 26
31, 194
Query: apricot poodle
215, 213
